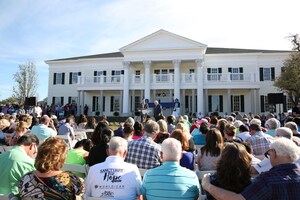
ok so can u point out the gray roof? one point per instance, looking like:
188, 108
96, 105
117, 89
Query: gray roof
209, 50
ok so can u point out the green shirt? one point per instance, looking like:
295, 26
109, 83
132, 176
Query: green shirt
14, 164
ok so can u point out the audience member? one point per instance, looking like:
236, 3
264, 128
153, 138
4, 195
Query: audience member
91, 124
260, 142
163, 131
4, 123
138, 130
244, 132
199, 135
210, 153
98, 153
229, 134
17, 162
187, 159
42, 131
293, 126
233, 169
20, 130
281, 182
128, 132
48, 181
114, 178
271, 124
170, 122
181, 182
144, 152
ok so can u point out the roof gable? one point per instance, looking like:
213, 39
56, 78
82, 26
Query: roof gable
162, 40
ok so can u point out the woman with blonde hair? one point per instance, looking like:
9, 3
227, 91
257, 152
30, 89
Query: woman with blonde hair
163, 131
48, 181
20, 130
210, 153
184, 127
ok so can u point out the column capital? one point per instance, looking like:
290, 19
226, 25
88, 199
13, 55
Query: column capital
126, 64
176, 62
147, 63
199, 62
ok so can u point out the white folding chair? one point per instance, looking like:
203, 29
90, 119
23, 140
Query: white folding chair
67, 139
200, 175
142, 171
80, 134
75, 168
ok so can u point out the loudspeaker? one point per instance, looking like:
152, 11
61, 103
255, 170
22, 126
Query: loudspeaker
30, 101
275, 98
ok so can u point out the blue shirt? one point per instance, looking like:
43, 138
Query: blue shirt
42, 132
281, 182
198, 137
170, 181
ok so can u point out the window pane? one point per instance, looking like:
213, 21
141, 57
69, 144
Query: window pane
215, 103
236, 103
267, 74
58, 78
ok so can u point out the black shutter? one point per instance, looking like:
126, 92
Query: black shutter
262, 103
229, 69
261, 74
272, 73
231, 102
54, 78
221, 103
111, 103
209, 70
241, 70
69, 100
104, 73
113, 72
220, 70
70, 78
284, 103
242, 103
62, 101
63, 79
103, 104
209, 104
95, 73
94, 103
122, 72
53, 100
79, 73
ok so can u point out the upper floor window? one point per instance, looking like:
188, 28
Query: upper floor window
97, 76
266, 73
162, 75
116, 75
73, 77
214, 74
236, 73
58, 78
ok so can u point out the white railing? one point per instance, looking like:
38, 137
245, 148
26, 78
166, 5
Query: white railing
116, 79
137, 79
188, 78
230, 77
162, 78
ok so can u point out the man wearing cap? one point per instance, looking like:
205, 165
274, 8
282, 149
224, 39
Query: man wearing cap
281, 182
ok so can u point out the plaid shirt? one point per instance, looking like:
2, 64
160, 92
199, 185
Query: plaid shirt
281, 182
260, 142
144, 153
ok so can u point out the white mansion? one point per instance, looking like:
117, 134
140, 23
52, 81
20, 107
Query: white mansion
164, 66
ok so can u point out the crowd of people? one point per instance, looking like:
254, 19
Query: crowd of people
235, 147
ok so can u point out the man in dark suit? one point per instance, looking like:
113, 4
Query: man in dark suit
157, 111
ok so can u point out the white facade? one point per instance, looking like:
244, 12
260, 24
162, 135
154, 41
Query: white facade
165, 66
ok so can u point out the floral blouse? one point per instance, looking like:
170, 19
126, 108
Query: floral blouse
62, 186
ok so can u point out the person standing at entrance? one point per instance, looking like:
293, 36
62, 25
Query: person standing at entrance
144, 106
157, 111
86, 109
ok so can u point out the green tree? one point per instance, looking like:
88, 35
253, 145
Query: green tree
26, 82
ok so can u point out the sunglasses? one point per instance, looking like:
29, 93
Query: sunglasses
267, 154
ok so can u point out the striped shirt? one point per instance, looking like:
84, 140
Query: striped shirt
170, 181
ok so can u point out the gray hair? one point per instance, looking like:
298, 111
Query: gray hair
272, 123
117, 144
171, 149
284, 132
286, 147
151, 127
292, 125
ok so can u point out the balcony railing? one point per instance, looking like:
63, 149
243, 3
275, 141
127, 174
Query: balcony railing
116, 79
230, 77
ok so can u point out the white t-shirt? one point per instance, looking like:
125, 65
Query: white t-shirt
113, 179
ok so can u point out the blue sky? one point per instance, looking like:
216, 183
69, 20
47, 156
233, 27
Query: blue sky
32, 30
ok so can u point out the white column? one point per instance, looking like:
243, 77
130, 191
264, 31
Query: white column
258, 106
205, 110
253, 103
199, 85
100, 101
82, 103
176, 64
133, 100
229, 102
147, 65
182, 104
79, 103
193, 101
126, 89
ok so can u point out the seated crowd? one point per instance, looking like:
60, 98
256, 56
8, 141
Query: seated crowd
251, 157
